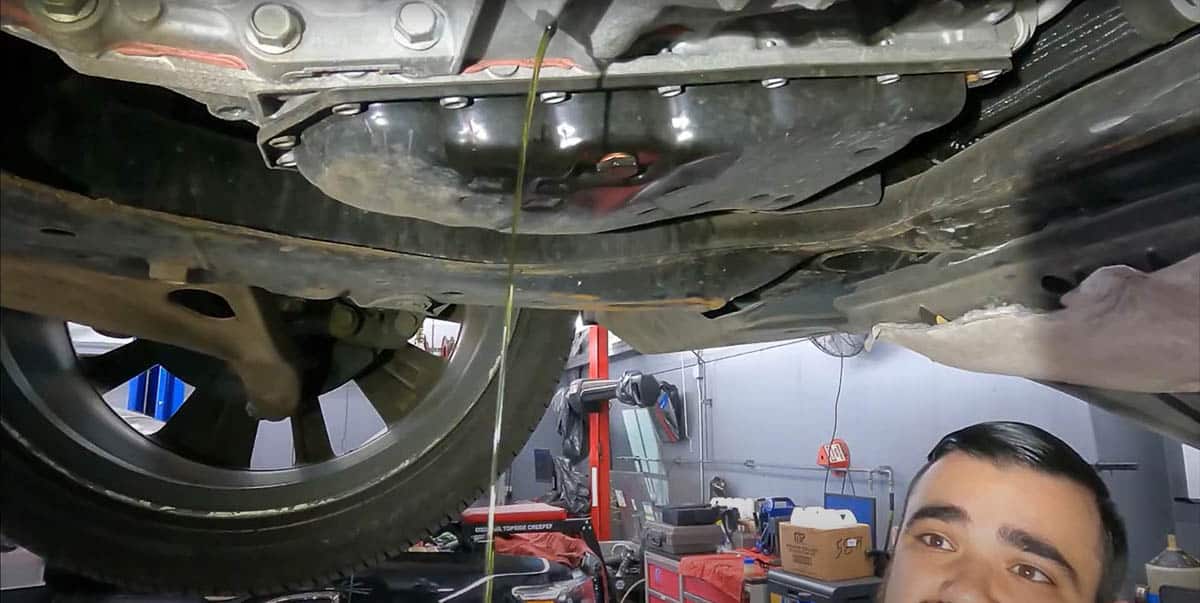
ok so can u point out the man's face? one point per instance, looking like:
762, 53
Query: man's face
977, 531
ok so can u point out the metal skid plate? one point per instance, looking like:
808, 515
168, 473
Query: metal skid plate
602, 161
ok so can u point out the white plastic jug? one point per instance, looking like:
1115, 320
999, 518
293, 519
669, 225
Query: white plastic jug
822, 518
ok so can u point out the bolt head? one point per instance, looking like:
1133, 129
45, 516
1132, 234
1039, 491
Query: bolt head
774, 82
229, 112
344, 321
141, 11
287, 160
454, 102
284, 142
347, 109
275, 28
888, 78
503, 70
997, 11
553, 97
618, 165
983, 77
68, 11
669, 91
418, 25
406, 323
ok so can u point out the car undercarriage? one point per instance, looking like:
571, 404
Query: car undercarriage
303, 183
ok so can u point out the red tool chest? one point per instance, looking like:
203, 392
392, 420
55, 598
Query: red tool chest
664, 584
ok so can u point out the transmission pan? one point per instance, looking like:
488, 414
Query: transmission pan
608, 160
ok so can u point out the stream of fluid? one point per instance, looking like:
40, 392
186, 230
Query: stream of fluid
508, 306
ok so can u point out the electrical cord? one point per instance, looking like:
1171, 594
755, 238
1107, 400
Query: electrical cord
847, 476
631, 587
836, 399
345, 419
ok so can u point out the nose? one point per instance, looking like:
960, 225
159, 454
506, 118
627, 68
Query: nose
969, 581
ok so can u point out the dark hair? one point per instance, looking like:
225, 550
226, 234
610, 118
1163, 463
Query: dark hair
1006, 442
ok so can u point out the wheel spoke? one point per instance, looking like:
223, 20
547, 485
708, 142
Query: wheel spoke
211, 430
397, 386
310, 438
109, 370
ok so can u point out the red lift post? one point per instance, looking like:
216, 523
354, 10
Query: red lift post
598, 456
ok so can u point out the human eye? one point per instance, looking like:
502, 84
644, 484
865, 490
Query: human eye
934, 540
1031, 573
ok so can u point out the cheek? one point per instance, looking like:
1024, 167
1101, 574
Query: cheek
912, 577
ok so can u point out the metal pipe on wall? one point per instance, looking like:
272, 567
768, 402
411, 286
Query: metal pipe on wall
883, 470
640, 466
683, 395
701, 406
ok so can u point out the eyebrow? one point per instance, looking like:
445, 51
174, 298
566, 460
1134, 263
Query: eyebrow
950, 513
1034, 545
1015, 537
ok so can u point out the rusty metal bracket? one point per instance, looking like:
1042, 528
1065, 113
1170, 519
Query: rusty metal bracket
44, 222
234, 323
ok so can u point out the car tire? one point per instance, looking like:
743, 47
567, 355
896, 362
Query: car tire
141, 545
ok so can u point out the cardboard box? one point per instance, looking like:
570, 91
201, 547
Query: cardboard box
833, 554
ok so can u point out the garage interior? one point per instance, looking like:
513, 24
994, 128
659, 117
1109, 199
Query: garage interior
754, 417
772, 405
